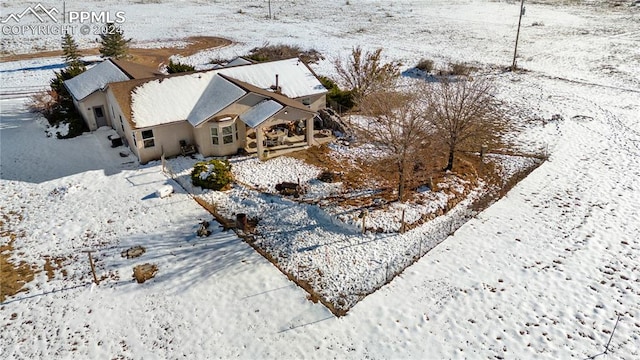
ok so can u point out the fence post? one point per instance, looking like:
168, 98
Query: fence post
483, 150
363, 215
386, 278
93, 269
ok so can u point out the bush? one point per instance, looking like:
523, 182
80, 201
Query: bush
176, 67
212, 174
56, 104
342, 99
425, 65
460, 69
219, 61
280, 52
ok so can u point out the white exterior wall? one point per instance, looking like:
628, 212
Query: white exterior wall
85, 107
166, 139
116, 113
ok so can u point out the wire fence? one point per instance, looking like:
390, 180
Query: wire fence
377, 276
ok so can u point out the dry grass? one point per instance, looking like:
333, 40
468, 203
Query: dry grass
269, 52
14, 276
365, 174
53, 264
354, 175
149, 57
375, 174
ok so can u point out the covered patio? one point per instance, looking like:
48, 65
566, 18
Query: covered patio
278, 141
273, 128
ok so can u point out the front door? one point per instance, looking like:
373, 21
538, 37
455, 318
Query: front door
98, 112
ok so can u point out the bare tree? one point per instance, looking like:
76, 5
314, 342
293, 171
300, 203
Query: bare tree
365, 73
397, 127
462, 112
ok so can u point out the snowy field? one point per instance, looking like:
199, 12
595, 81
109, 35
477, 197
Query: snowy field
544, 273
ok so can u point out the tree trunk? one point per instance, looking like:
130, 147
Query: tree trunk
450, 162
401, 182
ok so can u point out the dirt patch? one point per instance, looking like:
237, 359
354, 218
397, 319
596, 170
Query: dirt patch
13, 276
149, 57
53, 264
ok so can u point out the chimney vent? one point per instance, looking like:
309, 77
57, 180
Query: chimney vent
276, 88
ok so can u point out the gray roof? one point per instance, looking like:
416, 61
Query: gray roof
94, 79
238, 61
219, 94
260, 112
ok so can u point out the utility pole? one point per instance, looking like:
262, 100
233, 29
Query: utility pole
515, 51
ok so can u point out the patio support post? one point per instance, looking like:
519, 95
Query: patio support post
309, 130
259, 140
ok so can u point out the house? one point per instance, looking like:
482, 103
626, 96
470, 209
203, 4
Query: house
257, 108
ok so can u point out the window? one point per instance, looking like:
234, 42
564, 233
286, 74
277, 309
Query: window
306, 101
121, 123
224, 135
133, 136
227, 134
99, 112
214, 136
148, 140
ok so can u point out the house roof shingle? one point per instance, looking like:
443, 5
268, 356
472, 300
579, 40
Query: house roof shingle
219, 94
177, 97
94, 79
260, 112
295, 78
135, 70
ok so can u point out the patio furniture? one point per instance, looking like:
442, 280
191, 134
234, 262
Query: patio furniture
187, 149
270, 142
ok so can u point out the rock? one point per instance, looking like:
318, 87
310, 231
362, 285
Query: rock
328, 177
289, 188
203, 230
144, 272
329, 119
133, 252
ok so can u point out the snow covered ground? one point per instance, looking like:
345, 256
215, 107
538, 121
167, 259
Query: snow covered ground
542, 274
